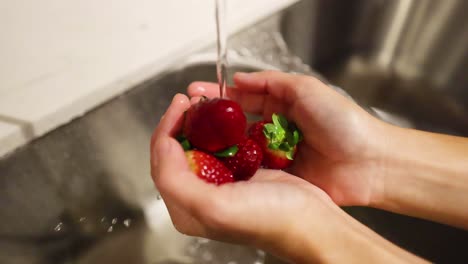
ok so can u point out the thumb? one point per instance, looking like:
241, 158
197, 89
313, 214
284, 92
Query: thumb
173, 176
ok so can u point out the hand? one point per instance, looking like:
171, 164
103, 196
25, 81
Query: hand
273, 211
269, 211
340, 151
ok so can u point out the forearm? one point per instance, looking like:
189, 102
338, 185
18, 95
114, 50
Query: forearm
425, 175
335, 237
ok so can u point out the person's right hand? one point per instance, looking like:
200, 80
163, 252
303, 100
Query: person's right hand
340, 151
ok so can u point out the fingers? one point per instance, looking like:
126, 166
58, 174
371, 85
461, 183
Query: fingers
182, 191
250, 102
175, 180
207, 89
262, 92
284, 86
170, 123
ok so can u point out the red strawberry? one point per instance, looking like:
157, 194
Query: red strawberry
246, 161
215, 124
208, 168
278, 140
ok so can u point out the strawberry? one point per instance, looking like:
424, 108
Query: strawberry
214, 124
208, 168
246, 161
278, 140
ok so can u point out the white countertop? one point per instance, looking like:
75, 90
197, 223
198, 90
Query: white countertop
62, 58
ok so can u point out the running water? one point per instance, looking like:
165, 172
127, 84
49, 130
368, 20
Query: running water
221, 63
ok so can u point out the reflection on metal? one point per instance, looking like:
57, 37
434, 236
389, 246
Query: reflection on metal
408, 57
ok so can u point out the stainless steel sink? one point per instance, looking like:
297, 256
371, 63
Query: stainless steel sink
83, 193
406, 57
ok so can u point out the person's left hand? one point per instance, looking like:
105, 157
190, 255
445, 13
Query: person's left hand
270, 211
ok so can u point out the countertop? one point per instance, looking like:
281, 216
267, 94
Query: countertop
62, 58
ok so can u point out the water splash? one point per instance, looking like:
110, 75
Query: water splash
207, 256
127, 222
59, 227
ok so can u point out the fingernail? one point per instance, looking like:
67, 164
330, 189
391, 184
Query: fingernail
200, 89
179, 98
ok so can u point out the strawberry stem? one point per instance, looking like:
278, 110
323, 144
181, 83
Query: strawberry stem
282, 135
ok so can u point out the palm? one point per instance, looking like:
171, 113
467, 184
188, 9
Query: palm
270, 191
333, 150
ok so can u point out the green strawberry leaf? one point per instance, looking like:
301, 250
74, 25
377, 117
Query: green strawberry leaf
285, 146
229, 152
184, 142
274, 145
290, 138
270, 130
282, 135
296, 137
283, 122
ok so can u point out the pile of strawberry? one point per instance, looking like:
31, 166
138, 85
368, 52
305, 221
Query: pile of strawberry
219, 150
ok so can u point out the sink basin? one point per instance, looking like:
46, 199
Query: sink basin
406, 57
83, 193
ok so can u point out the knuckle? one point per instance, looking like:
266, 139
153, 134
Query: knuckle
270, 72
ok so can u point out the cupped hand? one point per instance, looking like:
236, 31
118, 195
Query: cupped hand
267, 211
342, 142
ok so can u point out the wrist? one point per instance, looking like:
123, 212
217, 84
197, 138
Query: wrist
336, 237
386, 148
422, 175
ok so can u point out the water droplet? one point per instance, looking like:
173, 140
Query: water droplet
58, 227
82, 219
110, 229
202, 240
207, 256
103, 219
192, 249
159, 197
127, 222
114, 221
